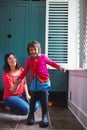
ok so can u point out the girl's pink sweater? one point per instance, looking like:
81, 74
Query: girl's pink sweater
38, 66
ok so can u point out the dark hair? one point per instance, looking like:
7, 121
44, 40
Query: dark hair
33, 44
6, 66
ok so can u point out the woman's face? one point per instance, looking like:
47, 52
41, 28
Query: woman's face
11, 60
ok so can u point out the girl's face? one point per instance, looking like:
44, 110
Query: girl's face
11, 60
34, 51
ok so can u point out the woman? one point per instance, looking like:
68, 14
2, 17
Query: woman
16, 98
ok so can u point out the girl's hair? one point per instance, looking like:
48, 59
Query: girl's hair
33, 44
6, 66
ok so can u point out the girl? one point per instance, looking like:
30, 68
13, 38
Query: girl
40, 81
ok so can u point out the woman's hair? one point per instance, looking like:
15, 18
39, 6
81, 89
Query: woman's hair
6, 66
33, 44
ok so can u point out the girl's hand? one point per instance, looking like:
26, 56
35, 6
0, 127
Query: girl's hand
62, 69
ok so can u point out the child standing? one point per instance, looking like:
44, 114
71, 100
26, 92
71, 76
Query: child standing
40, 82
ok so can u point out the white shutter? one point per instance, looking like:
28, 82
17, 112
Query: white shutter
62, 28
83, 47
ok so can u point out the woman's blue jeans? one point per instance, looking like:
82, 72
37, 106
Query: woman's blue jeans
19, 105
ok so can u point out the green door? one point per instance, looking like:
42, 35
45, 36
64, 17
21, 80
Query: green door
4, 10
20, 22
13, 31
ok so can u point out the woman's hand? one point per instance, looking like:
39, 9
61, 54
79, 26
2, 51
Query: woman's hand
28, 97
14, 88
17, 81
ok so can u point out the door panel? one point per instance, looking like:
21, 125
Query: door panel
18, 30
4, 12
13, 28
38, 23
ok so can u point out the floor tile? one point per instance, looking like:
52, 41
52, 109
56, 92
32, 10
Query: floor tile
63, 119
67, 123
57, 112
6, 123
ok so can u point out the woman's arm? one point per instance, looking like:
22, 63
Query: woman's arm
9, 84
14, 87
26, 92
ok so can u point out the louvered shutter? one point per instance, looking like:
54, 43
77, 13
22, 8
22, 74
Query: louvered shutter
61, 36
83, 47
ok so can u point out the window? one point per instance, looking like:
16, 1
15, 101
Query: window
62, 32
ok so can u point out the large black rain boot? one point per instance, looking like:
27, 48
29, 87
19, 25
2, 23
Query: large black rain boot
45, 121
30, 119
44, 105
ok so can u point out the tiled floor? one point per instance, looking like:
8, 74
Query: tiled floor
60, 119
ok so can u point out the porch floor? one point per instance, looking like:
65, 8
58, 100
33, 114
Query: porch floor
60, 118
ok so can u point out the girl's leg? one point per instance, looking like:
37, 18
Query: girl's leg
37, 105
18, 105
30, 119
44, 104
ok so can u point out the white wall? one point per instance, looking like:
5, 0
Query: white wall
77, 95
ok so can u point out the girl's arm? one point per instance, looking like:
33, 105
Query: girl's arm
26, 70
54, 64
